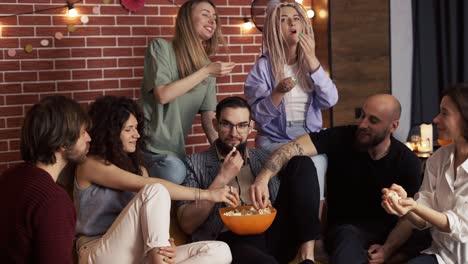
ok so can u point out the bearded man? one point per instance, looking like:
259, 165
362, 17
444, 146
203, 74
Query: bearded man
230, 162
38, 222
362, 159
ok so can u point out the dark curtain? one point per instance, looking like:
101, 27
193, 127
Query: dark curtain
440, 35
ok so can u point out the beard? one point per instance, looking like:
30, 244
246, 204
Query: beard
372, 140
76, 156
224, 148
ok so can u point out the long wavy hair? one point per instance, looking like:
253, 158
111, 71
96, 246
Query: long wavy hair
459, 95
191, 54
276, 46
109, 114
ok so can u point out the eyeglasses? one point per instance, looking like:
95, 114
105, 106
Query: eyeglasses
241, 127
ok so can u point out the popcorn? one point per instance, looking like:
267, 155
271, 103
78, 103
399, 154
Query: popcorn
394, 194
251, 211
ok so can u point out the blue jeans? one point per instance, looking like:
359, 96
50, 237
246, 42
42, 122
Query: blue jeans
297, 129
165, 166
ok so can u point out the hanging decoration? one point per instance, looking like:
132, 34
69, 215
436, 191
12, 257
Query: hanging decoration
133, 5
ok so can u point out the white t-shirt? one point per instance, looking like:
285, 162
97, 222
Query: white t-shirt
295, 101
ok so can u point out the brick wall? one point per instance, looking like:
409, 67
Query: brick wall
102, 57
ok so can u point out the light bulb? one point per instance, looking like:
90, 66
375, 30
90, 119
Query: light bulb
72, 12
299, 1
310, 13
247, 24
323, 13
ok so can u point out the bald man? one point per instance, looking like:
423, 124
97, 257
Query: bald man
362, 159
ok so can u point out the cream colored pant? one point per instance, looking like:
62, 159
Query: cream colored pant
144, 225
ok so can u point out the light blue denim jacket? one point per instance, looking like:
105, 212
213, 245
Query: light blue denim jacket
271, 120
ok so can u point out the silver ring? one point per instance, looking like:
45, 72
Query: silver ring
230, 190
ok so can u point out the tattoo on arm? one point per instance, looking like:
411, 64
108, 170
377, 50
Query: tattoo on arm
282, 155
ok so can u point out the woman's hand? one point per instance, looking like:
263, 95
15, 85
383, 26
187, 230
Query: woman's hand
227, 194
169, 253
285, 85
395, 200
219, 69
307, 43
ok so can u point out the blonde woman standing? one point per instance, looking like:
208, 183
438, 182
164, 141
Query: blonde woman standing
179, 82
287, 88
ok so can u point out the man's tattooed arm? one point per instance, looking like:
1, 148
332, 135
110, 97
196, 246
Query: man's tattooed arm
282, 155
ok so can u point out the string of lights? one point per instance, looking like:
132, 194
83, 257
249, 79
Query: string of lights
69, 5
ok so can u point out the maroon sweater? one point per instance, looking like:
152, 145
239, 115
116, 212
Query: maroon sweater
37, 222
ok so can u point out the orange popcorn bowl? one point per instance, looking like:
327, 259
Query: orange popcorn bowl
247, 224
444, 142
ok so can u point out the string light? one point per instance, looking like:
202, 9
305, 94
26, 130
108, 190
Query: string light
322, 13
299, 1
310, 13
247, 24
71, 10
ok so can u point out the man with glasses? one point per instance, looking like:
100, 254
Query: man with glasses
230, 162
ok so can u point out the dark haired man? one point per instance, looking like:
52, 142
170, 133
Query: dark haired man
296, 226
38, 217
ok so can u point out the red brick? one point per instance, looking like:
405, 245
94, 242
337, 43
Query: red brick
9, 43
168, 10
201, 148
113, 10
88, 31
11, 110
35, 42
11, 88
34, 20
234, 88
102, 63
131, 83
167, 31
15, 9
9, 21
12, 31
65, 20
229, 11
50, 31
21, 99
116, 52
148, 11
241, 40
20, 76
10, 156
120, 31
130, 20
54, 75
37, 65
9, 65
160, 20
3, 145
72, 86
130, 62
14, 144
86, 52
127, 93
70, 64
100, 42
70, 42
255, 49
13, 122
54, 53
238, 78
231, 30
86, 74
101, 20
38, 87
138, 72
59, 9
103, 84
132, 41
44, 95
119, 73
87, 96
148, 31
195, 140
84, 10
9, 133
139, 51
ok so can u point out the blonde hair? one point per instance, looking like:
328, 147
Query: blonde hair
191, 54
277, 47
